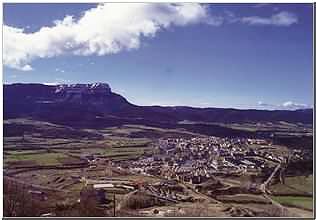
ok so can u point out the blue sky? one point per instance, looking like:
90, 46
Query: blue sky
214, 55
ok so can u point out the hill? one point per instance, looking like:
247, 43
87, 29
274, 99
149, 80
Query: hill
94, 102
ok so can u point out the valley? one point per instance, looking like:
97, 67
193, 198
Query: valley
56, 165
82, 150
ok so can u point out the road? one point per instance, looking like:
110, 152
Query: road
265, 183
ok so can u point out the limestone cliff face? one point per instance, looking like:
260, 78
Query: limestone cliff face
82, 93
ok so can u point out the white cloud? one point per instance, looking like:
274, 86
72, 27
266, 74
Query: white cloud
25, 68
263, 104
50, 83
106, 29
59, 70
283, 18
114, 27
280, 19
288, 105
293, 105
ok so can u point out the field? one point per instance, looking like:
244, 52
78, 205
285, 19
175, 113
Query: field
295, 129
243, 198
40, 159
38, 149
297, 185
280, 127
296, 192
27, 141
295, 201
36, 154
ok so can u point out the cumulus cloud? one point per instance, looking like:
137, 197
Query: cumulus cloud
288, 105
106, 29
110, 28
282, 18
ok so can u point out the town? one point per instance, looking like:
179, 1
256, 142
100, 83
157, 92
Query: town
196, 168
195, 160
165, 176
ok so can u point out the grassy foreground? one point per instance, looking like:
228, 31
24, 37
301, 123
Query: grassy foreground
295, 201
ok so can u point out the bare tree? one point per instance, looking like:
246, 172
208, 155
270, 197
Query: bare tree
17, 201
89, 205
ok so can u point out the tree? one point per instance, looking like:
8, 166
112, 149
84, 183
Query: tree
18, 202
89, 203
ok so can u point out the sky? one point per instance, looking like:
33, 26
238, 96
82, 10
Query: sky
201, 55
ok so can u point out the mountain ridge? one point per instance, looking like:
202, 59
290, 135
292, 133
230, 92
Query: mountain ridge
97, 100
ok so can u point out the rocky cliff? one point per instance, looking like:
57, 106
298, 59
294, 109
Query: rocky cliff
83, 93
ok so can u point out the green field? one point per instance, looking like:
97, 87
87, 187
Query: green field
299, 185
25, 152
295, 201
42, 159
126, 152
36, 148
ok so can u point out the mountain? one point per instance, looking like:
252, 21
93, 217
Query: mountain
96, 104
38, 100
